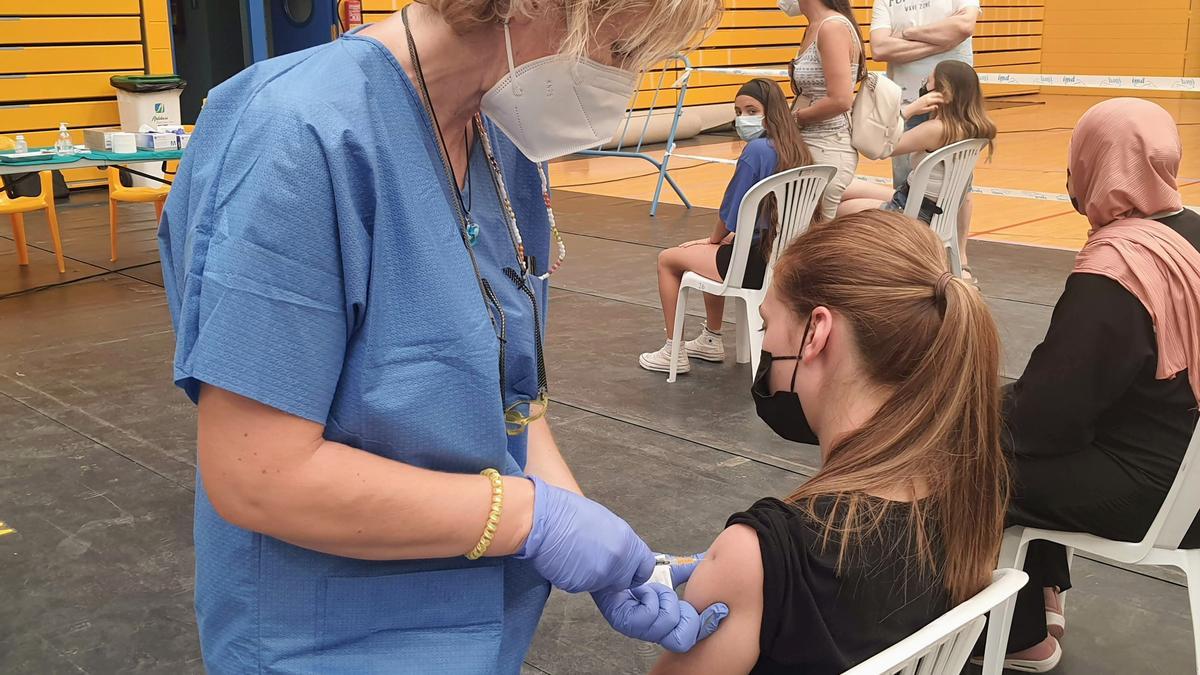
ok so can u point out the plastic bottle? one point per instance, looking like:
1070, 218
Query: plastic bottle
64, 145
21, 145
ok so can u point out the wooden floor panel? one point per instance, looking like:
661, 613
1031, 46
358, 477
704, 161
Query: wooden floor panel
1031, 154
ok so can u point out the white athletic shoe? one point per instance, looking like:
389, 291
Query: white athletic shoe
707, 346
660, 361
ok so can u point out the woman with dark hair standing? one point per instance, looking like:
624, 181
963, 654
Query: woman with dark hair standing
830, 61
773, 144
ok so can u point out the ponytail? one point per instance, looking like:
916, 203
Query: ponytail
930, 339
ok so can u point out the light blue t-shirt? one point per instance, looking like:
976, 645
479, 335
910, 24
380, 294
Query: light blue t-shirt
313, 262
757, 161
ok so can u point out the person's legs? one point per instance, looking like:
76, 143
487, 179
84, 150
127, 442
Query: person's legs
861, 189
1101, 498
849, 206
714, 310
965, 209
672, 263
834, 149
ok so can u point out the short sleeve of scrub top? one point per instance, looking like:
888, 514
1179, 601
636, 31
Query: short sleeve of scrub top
270, 319
757, 161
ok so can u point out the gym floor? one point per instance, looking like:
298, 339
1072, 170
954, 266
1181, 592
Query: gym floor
97, 466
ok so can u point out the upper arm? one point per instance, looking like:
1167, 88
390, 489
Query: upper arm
240, 442
881, 18
732, 573
745, 175
925, 136
1099, 339
837, 47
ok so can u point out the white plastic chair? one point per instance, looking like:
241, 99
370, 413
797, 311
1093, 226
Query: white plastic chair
797, 193
959, 159
943, 646
1160, 546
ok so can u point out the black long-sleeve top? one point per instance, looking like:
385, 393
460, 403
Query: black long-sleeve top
1090, 384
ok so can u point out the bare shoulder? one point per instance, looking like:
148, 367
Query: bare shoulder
732, 569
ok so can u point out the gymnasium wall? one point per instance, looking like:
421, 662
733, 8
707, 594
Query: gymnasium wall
56, 57
1116, 37
756, 33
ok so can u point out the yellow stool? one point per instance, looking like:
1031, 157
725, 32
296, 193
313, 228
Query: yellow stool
16, 210
120, 193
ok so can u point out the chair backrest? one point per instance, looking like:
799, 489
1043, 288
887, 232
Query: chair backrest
959, 161
943, 646
1180, 507
797, 193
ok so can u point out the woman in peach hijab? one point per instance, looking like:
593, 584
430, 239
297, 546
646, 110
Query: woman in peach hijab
1104, 411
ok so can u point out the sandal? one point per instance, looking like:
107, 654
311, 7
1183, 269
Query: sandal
1030, 665
969, 277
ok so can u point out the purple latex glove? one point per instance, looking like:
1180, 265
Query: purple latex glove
580, 546
654, 613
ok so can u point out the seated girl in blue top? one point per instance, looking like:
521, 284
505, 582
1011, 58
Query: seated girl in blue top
773, 144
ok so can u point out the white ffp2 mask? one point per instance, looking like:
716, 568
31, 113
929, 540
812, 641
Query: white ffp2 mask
557, 105
790, 7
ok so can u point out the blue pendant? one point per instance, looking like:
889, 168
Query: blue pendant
472, 233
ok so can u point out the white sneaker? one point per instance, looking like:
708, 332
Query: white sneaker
707, 346
660, 361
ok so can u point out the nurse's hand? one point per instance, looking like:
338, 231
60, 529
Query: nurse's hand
654, 613
580, 546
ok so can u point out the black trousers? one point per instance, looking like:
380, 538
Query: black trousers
1082, 492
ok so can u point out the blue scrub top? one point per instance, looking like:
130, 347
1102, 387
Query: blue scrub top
757, 161
313, 262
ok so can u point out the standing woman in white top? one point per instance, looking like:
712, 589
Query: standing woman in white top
823, 75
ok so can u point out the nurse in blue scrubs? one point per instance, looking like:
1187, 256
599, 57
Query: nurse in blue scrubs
356, 253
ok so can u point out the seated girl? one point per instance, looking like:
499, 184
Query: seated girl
956, 102
891, 365
773, 144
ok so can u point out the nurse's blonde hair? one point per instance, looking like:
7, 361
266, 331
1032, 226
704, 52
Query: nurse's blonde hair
655, 29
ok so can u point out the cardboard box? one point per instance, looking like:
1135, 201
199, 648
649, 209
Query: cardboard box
99, 139
157, 141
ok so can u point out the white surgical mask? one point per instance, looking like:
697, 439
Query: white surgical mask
749, 127
557, 105
790, 7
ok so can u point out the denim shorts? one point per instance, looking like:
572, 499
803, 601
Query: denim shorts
929, 209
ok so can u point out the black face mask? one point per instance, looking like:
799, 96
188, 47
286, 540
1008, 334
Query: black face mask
923, 90
781, 410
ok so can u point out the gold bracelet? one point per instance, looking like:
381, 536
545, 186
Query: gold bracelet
493, 520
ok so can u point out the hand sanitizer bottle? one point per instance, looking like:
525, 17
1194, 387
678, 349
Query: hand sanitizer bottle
64, 145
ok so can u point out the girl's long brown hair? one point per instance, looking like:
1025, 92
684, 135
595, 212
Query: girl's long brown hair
939, 357
962, 115
789, 145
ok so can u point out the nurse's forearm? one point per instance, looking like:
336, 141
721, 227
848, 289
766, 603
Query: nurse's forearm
270, 472
546, 461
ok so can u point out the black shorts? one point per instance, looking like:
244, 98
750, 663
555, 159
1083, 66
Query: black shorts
756, 267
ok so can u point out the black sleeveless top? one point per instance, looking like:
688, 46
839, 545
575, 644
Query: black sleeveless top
818, 621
